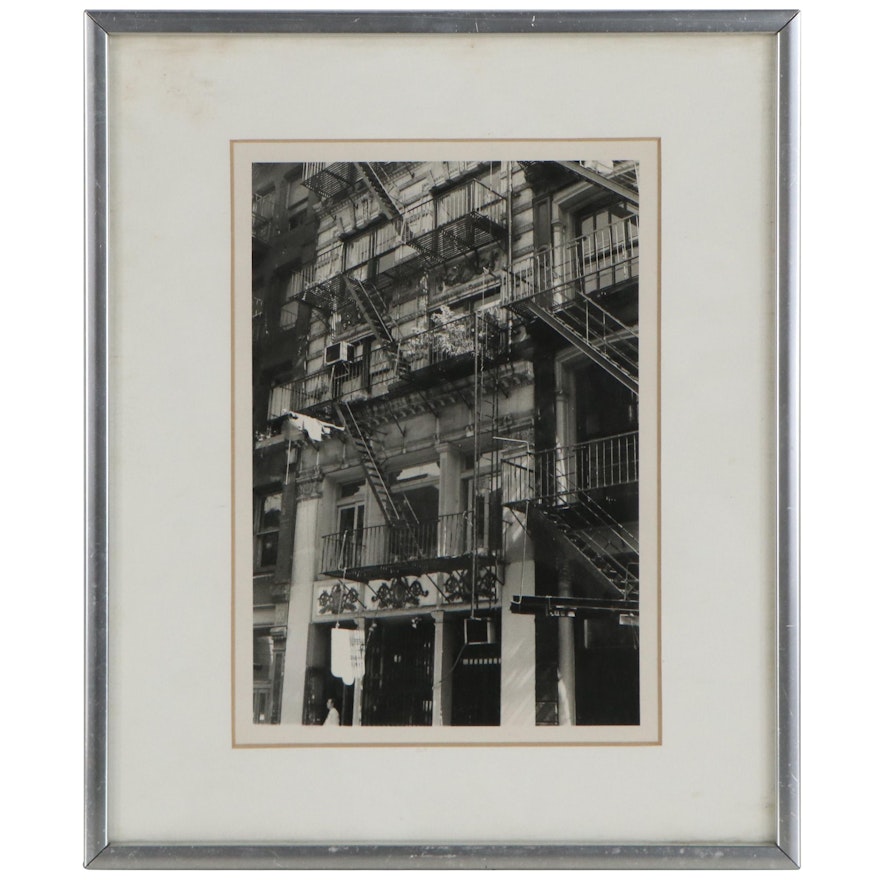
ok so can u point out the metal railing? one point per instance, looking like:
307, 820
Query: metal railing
593, 262
446, 536
446, 344
310, 169
556, 476
342, 380
326, 384
328, 179
607, 333
457, 339
261, 227
371, 253
279, 400
473, 197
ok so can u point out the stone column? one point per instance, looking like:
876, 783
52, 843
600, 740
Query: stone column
442, 670
567, 713
305, 565
449, 500
564, 430
358, 689
518, 646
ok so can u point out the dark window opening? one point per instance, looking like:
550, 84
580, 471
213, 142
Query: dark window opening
268, 523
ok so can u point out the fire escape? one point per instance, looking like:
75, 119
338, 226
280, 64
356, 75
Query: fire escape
425, 235
560, 496
562, 285
566, 496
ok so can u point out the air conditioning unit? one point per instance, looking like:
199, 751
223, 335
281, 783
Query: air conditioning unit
338, 353
479, 631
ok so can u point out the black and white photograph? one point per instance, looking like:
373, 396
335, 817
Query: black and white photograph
445, 446
443, 392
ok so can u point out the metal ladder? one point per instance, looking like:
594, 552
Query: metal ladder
375, 475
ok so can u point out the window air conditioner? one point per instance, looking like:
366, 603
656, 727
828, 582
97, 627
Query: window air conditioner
338, 353
479, 631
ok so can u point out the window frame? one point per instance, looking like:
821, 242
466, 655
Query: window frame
262, 531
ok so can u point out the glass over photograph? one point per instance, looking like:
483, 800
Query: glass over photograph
445, 444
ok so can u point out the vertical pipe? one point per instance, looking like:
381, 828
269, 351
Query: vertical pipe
566, 666
358, 696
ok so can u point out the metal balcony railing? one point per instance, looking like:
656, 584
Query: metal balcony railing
261, 227
556, 476
453, 342
262, 212
279, 400
442, 347
465, 217
446, 537
593, 262
343, 380
329, 179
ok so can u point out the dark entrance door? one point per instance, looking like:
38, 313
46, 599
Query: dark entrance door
607, 672
476, 678
399, 673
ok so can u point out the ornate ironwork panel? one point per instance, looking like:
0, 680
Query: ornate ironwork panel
339, 599
399, 593
457, 586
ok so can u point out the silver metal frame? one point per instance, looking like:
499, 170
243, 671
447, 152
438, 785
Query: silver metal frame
100, 852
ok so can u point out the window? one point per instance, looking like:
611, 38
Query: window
542, 231
354, 374
483, 500
606, 245
297, 203
267, 526
300, 280
351, 534
262, 213
416, 495
279, 399
263, 204
358, 253
287, 316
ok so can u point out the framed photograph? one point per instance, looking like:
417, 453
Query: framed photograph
442, 440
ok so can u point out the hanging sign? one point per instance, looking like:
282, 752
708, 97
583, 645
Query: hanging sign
347, 648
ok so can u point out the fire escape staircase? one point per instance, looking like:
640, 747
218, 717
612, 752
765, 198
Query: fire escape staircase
611, 184
622, 183
590, 537
379, 190
401, 517
372, 308
365, 297
376, 478
604, 339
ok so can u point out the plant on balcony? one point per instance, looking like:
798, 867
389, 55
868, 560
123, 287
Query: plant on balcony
452, 335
